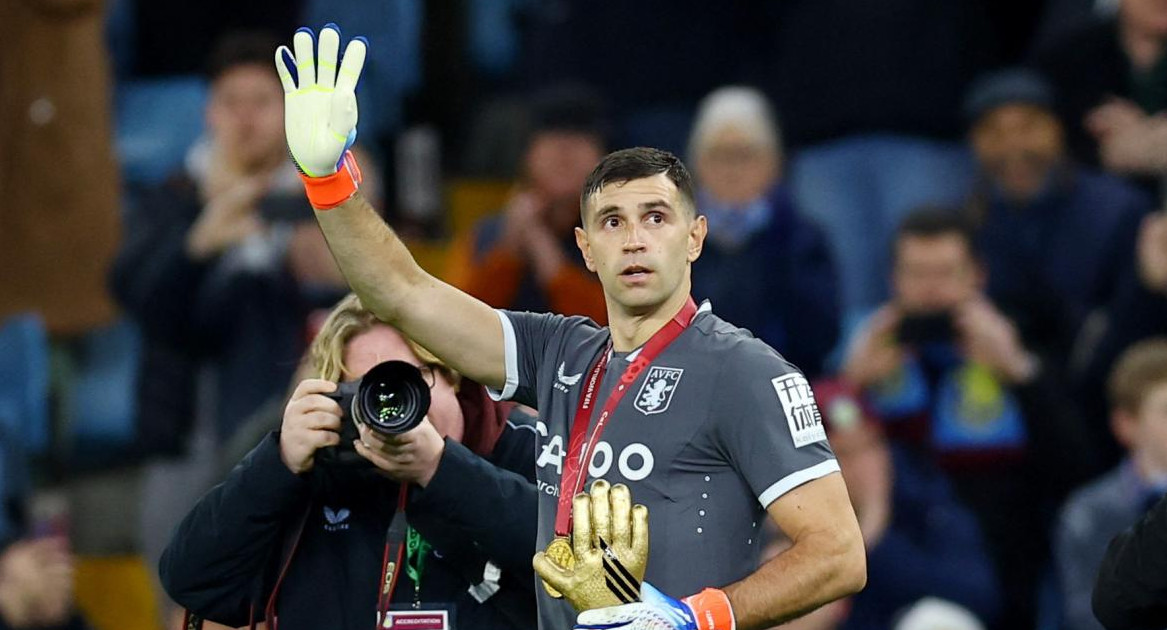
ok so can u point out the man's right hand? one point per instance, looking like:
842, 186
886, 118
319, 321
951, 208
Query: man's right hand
320, 103
228, 219
311, 421
522, 214
875, 355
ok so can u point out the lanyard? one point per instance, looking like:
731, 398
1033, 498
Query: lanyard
416, 550
391, 559
575, 466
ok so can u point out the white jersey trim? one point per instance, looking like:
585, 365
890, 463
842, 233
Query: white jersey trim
510, 360
795, 479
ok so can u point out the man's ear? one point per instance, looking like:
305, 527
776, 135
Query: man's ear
698, 230
585, 248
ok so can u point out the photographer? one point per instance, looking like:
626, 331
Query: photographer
304, 529
948, 374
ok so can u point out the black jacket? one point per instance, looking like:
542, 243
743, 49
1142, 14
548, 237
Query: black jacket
1131, 591
225, 558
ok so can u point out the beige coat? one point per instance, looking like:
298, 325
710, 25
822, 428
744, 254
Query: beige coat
59, 189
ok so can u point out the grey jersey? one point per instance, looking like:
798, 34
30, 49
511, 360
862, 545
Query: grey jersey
717, 428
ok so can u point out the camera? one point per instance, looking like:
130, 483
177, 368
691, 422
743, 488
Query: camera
392, 398
925, 328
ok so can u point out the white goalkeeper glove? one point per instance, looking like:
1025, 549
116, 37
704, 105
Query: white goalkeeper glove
320, 103
707, 610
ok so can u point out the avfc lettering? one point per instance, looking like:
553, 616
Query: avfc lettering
802, 413
634, 462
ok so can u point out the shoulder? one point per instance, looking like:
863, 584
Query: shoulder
737, 350
1099, 499
1120, 193
550, 324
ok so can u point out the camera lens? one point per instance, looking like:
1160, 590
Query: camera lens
393, 397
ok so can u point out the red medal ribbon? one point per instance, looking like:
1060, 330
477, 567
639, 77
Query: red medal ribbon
575, 465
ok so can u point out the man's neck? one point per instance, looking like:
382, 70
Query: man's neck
1149, 471
630, 330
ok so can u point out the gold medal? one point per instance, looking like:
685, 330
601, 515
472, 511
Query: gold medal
559, 551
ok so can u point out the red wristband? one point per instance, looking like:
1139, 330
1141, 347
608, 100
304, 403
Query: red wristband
325, 193
711, 610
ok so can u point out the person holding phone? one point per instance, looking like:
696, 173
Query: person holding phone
948, 373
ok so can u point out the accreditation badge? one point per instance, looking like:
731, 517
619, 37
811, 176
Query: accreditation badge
416, 619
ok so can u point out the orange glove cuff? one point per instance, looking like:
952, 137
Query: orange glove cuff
711, 610
325, 193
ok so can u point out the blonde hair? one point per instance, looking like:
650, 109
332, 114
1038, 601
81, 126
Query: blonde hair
347, 320
1139, 370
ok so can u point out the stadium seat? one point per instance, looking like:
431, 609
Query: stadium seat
157, 122
24, 381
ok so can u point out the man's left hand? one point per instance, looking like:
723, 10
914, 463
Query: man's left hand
989, 338
657, 611
410, 457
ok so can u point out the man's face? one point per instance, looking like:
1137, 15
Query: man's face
1148, 16
558, 162
1018, 147
735, 168
934, 273
245, 115
1146, 431
382, 343
640, 237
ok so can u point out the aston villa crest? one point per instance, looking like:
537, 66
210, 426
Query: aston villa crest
657, 390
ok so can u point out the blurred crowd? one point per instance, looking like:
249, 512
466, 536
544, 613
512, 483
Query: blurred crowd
949, 214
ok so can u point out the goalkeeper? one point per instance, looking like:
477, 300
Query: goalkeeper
707, 426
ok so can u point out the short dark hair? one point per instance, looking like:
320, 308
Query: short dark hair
934, 221
241, 48
626, 165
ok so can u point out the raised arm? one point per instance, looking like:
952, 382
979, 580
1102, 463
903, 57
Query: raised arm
320, 122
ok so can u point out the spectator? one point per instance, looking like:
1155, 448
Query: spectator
1131, 590
224, 263
1109, 79
1101, 510
1055, 236
869, 95
948, 373
763, 266
1138, 311
526, 257
465, 556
